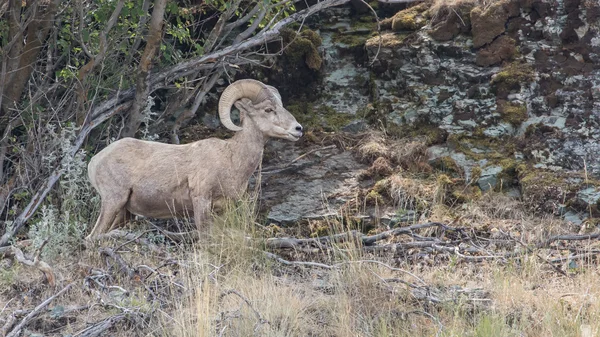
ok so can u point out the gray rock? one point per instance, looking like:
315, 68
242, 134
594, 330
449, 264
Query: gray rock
315, 189
489, 177
573, 217
590, 195
356, 126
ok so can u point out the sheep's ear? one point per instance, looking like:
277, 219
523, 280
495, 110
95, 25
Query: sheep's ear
243, 104
275, 92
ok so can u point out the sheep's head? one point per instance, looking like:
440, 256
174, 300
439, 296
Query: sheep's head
262, 103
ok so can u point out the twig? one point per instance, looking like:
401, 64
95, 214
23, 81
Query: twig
110, 252
99, 328
17, 329
36, 262
575, 257
297, 263
312, 151
260, 319
568, 237
130, 237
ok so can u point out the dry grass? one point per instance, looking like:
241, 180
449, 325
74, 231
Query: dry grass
441, 7
224, 285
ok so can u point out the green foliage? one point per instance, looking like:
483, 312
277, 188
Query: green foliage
62, 224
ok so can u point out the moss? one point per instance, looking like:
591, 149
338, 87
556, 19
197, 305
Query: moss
514, 114
546, 191
432, 133
443, 180
351, 40
319, 228
466, 194
361, 30
302, 47
323, 117
304, 113
381, 186
496, 149
374, 4
512, 76
334, 120
374, 198
475, 173
446, 164
312, 36
387, 40
412, 18
509, 175
540, 130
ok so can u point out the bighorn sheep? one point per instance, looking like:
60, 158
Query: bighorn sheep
160, 180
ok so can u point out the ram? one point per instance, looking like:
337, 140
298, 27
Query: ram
160, 180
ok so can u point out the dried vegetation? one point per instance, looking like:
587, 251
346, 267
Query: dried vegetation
483, 266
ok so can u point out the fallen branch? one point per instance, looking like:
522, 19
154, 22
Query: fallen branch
17, 329
17, 254
99, 328
567, 237
119, 260
355, 235
130, 237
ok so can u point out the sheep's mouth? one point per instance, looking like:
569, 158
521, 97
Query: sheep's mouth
294, 136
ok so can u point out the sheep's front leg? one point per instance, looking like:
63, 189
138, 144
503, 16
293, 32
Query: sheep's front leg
201, 211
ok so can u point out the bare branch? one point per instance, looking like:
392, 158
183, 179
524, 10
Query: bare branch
99, 328
38, 198
246, 33
17, 329
218, 28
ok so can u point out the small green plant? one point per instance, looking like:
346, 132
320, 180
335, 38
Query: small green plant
61, 225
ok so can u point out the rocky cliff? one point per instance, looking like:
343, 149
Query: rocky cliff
501, 95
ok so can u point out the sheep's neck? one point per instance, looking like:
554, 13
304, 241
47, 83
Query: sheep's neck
248, 146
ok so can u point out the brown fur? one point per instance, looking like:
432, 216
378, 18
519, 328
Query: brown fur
163, 180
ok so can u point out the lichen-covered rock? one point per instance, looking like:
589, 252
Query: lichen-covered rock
518, 100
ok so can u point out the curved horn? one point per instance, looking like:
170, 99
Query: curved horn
247, 88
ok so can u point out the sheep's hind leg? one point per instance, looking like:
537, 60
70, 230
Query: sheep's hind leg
109, 210
121, 219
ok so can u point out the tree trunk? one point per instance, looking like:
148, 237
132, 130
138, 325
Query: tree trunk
37, 32
142, 89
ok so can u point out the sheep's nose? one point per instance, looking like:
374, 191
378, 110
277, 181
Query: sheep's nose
299, 128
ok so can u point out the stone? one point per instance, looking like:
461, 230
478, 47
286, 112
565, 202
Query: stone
488, 23
451, 20
489, 177
315, 190
355, 126
573, 217
590, 195
501, 49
